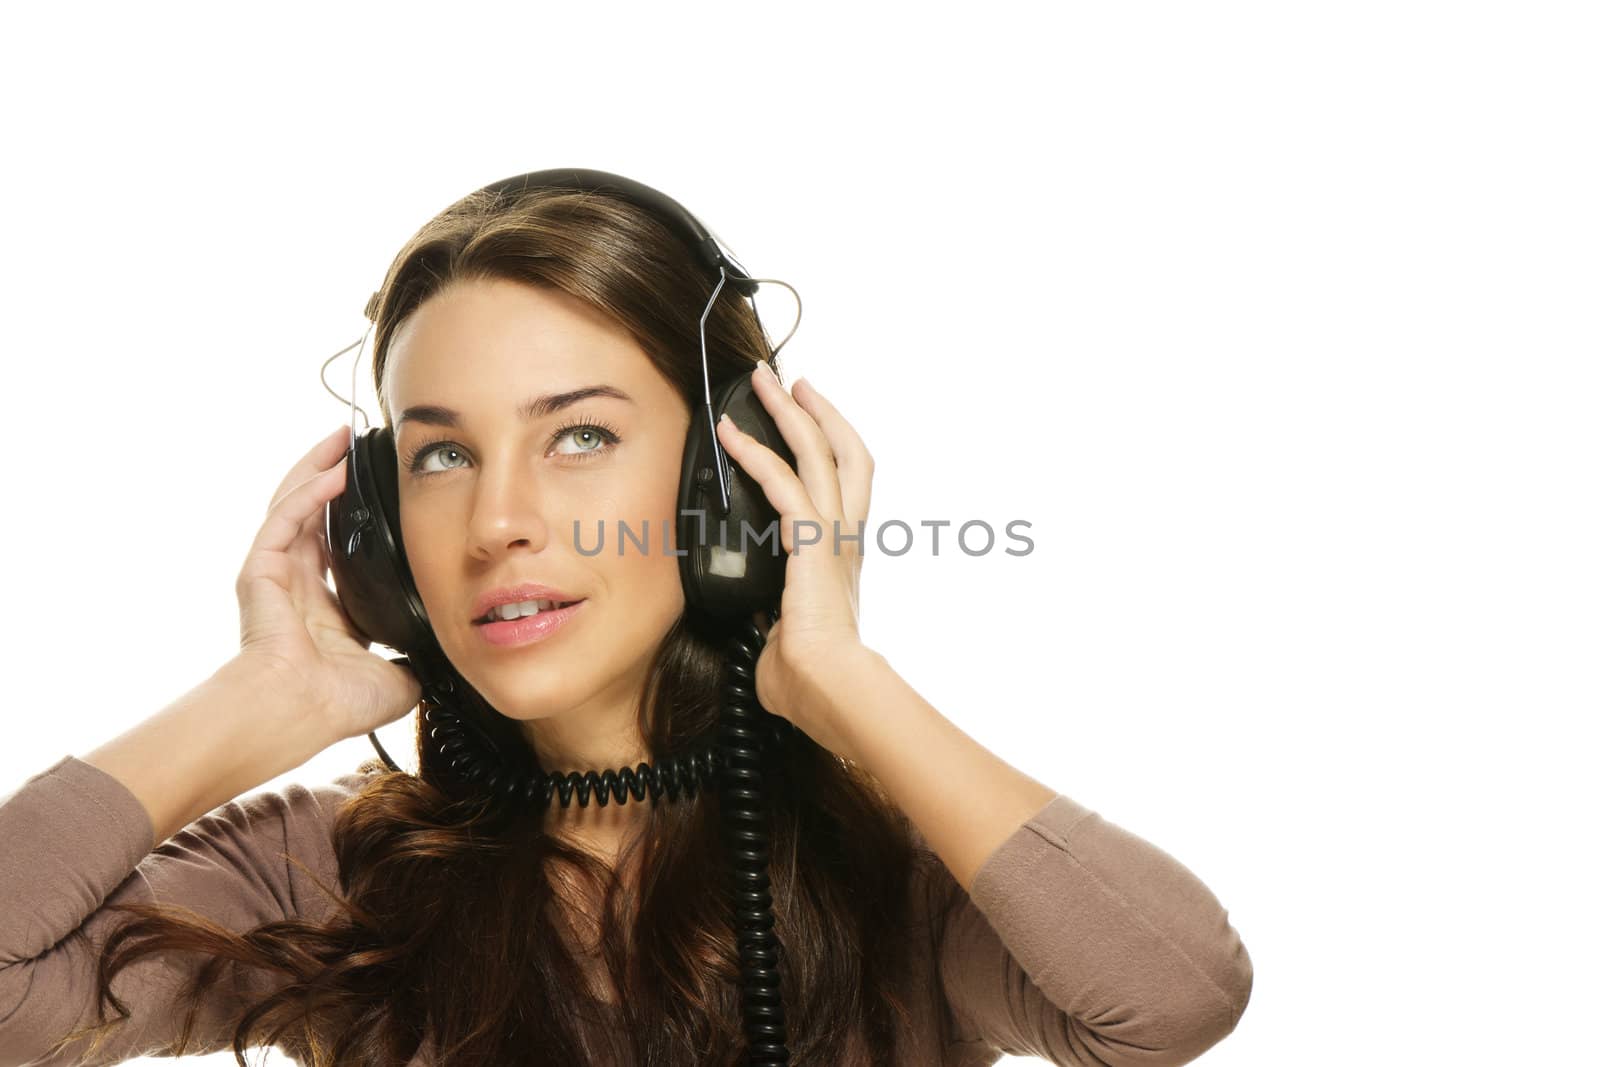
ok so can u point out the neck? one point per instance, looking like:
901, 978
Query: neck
601, 734
603, 832
566, 745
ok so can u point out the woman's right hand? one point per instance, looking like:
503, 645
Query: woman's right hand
291, 622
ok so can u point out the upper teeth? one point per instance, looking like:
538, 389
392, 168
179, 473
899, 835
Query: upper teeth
521, 608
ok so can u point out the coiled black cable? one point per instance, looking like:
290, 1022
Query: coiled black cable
747, 734
744, 823
464, 747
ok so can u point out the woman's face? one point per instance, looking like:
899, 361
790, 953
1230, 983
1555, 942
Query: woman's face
494, 497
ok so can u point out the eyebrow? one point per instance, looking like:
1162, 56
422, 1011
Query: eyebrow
535, 408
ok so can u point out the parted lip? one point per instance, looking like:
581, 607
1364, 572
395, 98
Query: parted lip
492, 599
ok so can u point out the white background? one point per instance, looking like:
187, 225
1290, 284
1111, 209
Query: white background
1276, 321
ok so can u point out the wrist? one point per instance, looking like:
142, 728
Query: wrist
837, 688
274, 713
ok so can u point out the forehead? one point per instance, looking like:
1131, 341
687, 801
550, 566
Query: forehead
477, 339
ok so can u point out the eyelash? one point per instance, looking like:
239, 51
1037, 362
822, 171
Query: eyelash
608, 435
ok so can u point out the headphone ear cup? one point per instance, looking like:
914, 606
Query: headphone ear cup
727, 569
372, 578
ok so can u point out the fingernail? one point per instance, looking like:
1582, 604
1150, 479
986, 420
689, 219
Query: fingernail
763, 365
730, 422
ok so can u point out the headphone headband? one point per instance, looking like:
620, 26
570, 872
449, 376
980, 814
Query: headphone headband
694, 233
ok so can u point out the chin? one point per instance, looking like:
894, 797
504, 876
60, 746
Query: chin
525, 691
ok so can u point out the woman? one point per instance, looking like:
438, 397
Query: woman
381, 920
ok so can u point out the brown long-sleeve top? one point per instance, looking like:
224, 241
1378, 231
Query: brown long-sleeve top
1081, 943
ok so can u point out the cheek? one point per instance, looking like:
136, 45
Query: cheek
653, 574
419, 539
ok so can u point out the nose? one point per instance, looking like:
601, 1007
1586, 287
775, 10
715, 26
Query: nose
506, 513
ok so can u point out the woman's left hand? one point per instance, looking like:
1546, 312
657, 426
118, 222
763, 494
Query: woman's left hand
830, 488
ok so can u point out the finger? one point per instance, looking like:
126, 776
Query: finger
777, 479
813, 455
284, 521
322, 454
308, 548
855, 462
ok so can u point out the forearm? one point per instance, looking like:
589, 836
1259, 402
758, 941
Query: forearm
231, 733
963, 798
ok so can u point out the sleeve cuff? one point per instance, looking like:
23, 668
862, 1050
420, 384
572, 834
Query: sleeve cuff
83, 833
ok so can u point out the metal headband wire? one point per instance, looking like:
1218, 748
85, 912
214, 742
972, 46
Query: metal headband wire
354, 407
705, 368
354, 472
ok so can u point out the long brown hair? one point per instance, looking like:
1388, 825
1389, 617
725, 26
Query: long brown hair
446, 922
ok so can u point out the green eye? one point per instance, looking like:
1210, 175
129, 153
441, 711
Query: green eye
604, 437
414, 462
593, 433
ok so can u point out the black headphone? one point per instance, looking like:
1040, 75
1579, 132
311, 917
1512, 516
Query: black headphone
725, 574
